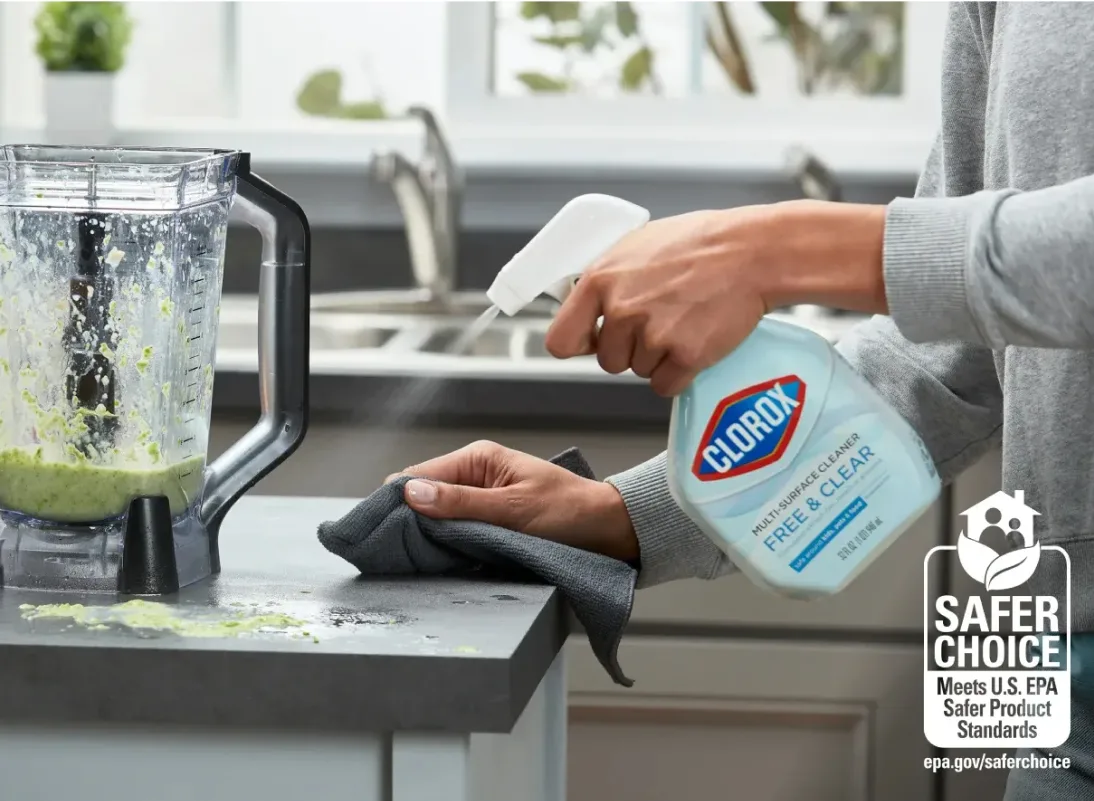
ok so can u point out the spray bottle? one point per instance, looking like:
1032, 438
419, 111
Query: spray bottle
781, 453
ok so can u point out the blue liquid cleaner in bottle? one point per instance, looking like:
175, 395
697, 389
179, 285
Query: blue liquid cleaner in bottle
781, 453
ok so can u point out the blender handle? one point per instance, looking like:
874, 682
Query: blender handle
284, 308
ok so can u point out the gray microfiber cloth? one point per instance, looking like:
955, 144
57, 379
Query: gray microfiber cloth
382, 536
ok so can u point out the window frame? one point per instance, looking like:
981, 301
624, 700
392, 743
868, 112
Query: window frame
887, 135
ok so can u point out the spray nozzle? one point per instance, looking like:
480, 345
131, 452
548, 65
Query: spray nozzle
582, 231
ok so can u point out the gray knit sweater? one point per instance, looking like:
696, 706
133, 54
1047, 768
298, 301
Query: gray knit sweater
989, 273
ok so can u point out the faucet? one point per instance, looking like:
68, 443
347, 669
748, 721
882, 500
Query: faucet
429, 195
812, 176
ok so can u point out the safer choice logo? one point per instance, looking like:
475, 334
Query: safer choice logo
997, 666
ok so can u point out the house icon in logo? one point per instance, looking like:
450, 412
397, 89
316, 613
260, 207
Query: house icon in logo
1002, 511
1009, 515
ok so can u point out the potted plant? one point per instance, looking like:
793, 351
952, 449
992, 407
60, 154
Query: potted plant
82, 46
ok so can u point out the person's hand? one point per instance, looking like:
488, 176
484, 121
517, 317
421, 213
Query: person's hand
680, 293
493, 484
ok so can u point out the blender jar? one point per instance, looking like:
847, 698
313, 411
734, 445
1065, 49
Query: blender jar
111, 267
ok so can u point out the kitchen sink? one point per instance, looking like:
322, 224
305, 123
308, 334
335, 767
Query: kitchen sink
335, 334
510, 343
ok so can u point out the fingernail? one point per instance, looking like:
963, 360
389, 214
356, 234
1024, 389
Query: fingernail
421, 491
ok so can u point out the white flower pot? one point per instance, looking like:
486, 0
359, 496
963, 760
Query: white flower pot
79, 108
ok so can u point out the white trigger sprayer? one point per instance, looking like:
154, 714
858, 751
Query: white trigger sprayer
582, 231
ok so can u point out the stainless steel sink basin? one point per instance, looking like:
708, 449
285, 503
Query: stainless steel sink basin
510, 343
343, 334
415, 303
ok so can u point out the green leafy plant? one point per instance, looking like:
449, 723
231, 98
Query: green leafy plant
842, 49
586, 30
321, 96
83, 37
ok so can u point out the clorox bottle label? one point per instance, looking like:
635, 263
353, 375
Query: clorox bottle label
794, 465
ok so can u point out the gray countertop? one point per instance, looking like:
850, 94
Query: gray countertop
420, 653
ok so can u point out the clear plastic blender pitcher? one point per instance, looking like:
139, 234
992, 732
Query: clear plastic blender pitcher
111, 267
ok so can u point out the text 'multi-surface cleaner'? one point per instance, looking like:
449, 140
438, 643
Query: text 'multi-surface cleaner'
781, 453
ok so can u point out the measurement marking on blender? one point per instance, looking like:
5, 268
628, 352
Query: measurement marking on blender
199, 308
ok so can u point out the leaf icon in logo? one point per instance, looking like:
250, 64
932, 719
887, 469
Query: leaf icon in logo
1012, 568
975, 557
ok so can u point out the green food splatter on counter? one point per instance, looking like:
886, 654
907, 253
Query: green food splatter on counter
153, 616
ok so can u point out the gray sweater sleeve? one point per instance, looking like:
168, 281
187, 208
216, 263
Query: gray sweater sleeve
1002, 268
996, 268
949, 392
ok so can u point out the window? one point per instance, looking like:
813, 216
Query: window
734, 84
597, 50
663, 85
294, 82
356, 61
177, 66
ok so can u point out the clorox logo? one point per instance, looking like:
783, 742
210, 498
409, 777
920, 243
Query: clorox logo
750, 429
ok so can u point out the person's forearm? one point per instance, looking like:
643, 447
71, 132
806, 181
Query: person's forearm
994, 268
824, 254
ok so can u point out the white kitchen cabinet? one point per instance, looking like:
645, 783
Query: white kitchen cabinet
750, 720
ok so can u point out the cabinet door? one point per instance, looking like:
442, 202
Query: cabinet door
758, 721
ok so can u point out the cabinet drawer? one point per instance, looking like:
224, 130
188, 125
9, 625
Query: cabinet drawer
735, 719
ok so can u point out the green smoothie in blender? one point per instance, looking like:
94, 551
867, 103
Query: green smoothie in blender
79, 492
106, 337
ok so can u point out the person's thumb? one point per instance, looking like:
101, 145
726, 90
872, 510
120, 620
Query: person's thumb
456, 502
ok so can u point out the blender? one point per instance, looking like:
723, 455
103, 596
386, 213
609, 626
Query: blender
111, 267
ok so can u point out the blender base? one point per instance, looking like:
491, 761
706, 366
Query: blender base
144, 552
